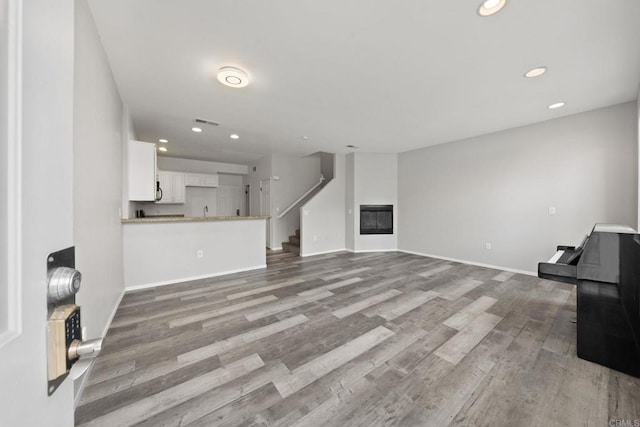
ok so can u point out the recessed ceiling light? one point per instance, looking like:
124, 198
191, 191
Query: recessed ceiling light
164, 141
234, 136
556, 105
535, 72
233, 77
196, 130
162, 148
489, 7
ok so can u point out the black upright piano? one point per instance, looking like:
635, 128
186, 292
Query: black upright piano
606, 269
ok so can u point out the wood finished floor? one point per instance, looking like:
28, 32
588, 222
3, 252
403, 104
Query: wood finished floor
352, 339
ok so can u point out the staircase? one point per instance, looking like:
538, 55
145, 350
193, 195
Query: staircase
293, 245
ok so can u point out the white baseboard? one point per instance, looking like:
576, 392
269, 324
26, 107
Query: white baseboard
325, 252
479, 264
83, 380
366, 251
189, 279
276, 249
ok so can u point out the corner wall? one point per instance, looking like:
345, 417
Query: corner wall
373, 181
97, 177
128, 134
295, 175
455, 198
322, 221
349, 197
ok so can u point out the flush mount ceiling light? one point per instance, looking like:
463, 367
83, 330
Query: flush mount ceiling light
196, 130
305, 137
164, 141
234, 136
233, 77
556, 105
162, 148
352, 146
489, 7
535, 72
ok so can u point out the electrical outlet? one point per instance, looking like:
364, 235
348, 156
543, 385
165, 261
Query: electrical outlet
552, 210
200, 253
487, 245
315, 238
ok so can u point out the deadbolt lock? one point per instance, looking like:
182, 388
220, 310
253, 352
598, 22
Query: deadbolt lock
64, 328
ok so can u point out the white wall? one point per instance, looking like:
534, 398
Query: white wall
46, 181
375, 182
97, 177
638, 157
199, 166
5, 162
497, 188
230, 180
162, 253
295, 175
323, 219
196, 198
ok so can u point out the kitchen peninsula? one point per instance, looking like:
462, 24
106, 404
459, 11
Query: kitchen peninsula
165, 250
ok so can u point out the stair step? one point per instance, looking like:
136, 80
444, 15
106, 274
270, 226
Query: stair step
294, 240
290, 247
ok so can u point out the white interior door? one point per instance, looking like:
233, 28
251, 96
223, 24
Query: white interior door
36, 204
265, 205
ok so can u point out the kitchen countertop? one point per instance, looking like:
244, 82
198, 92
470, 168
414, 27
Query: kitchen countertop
188, 219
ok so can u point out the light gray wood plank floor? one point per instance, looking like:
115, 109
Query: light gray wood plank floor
353, 340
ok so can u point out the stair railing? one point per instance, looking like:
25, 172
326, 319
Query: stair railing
299, 199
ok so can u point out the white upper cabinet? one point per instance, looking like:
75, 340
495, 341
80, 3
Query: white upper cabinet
141, 170
172, 186
201, 180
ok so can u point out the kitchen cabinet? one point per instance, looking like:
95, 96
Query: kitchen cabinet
201, 180
141, 170
173, 187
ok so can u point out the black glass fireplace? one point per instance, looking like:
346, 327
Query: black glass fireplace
376, 219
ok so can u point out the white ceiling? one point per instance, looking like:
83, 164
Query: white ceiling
387, 76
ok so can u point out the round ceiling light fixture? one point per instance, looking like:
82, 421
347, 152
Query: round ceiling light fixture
162, 148
489, 7
164, 141
234, 136
233, 77
535, 72
196, 130
556, 105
